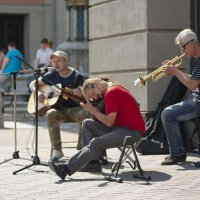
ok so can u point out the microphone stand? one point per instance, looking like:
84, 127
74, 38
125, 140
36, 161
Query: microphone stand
16, 153
35, 158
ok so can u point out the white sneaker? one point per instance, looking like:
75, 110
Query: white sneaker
57, 154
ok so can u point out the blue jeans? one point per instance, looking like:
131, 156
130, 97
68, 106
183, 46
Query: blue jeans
171, 116
97, 137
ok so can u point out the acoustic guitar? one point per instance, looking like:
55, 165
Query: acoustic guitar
52, 95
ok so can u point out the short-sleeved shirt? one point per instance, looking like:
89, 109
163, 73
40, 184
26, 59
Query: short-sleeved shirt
74, 80
195, 94
117, 99
13, 64
43, 55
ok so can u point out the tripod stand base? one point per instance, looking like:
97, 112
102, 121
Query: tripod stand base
14, 156
36, 161
114, 179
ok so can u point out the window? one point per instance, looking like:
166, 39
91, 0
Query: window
80, 23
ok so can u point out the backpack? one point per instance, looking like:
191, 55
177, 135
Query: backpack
154, 140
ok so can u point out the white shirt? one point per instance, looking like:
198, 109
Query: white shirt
43, 55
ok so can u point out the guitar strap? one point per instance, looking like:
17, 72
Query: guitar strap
78, 79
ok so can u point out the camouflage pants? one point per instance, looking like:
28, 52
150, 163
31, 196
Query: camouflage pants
57, 116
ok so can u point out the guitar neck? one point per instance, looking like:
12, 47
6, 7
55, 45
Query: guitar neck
68, 93
77, 98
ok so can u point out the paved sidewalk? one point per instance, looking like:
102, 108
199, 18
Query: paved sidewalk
38, 182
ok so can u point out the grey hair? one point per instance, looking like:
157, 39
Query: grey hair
185, 36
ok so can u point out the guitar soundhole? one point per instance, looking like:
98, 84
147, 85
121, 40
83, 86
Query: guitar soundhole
50, 95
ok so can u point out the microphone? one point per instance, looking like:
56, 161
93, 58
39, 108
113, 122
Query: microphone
41, 70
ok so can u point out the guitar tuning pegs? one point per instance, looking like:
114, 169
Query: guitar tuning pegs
66, 93
67, 90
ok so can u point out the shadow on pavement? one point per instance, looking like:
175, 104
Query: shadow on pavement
188, 165
156, 176
126, 176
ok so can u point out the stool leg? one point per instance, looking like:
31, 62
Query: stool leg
116, 168
51, 152
120, 161
141, 175
196, 121
198, 139
136, 160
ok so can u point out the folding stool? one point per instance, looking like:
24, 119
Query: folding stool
126, 150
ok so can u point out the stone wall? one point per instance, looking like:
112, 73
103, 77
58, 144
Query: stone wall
130, 38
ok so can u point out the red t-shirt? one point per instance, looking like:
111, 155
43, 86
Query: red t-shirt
117, 99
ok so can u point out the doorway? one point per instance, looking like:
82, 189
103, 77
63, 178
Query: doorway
12, 30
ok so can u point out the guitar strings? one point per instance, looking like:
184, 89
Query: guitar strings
51, 86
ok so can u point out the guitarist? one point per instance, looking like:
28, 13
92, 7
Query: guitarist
66, 110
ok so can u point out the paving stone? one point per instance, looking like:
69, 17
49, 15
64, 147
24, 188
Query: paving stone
39, 182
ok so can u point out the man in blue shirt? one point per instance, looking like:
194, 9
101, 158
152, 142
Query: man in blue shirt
10, 62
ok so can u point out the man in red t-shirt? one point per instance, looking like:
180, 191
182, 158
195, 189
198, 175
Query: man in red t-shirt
107, 130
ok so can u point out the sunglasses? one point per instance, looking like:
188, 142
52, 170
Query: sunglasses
183, 47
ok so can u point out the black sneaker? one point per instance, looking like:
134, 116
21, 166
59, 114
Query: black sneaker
59, 169
197, 164
103, 161
103, 158
93, 166
173, 160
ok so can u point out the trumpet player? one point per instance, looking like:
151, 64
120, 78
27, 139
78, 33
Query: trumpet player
187, 109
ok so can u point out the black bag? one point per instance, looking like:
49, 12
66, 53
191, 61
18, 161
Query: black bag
154, 140
191, 134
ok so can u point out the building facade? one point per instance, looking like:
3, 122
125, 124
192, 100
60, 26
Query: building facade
76, 43
128, 39
27, 22
124, 39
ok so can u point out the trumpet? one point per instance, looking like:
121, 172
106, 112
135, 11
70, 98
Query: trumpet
158, 73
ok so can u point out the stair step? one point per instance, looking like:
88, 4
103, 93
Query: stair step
17, 102
21, 111
21, 98
18, 105
22, 118
19, 117
18, 111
